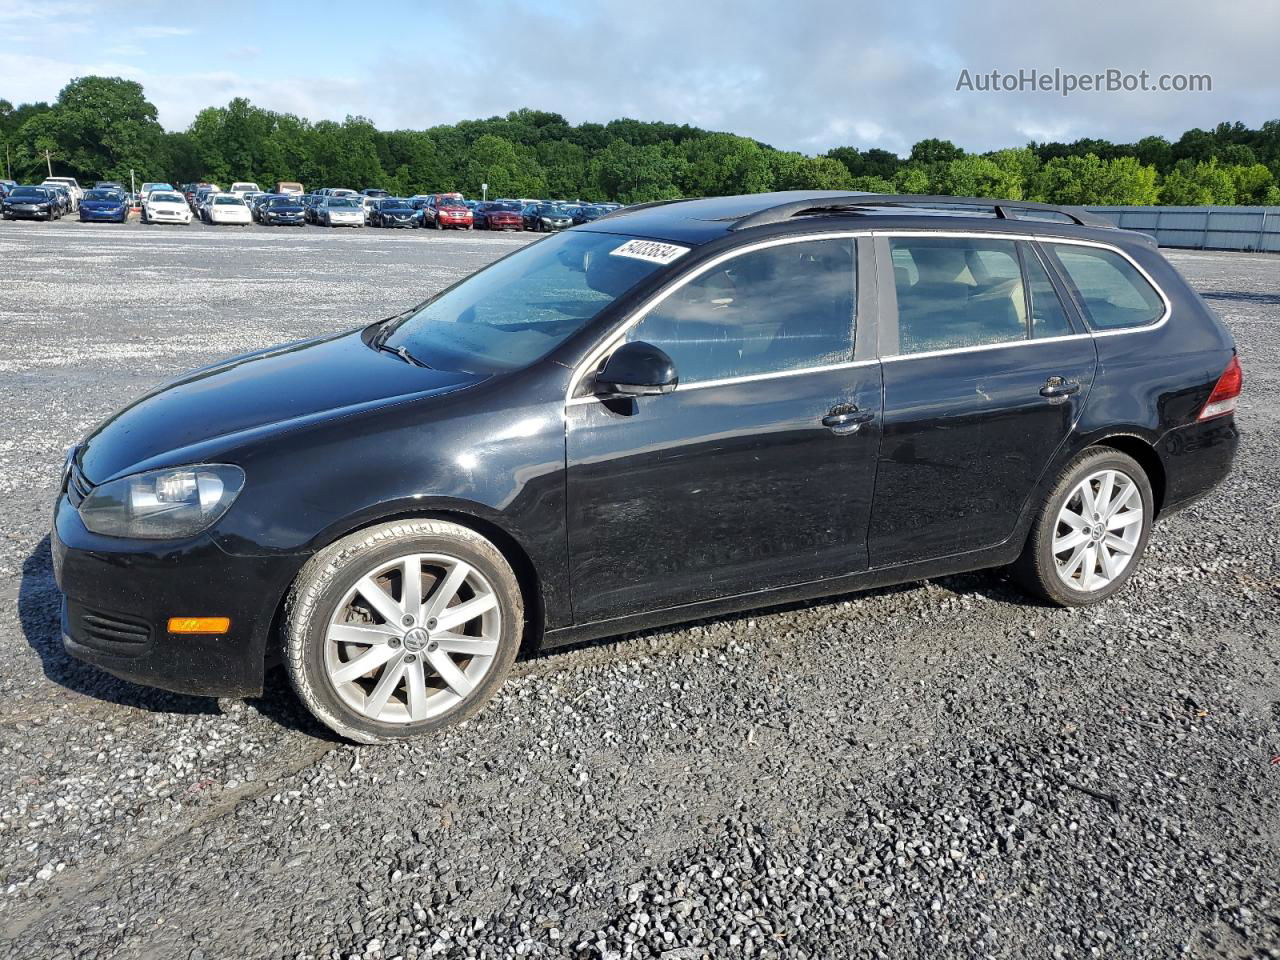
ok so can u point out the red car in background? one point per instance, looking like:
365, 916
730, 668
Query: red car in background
498, 215
447, 210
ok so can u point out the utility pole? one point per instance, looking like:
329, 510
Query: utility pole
48, 160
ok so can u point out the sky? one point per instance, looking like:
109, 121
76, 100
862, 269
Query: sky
798, 74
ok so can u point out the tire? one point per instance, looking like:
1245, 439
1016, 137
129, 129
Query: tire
1111, 550
327, 595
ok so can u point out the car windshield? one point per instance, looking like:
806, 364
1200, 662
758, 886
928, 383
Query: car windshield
167, 197
28, 193
395, 204
522, 307
283, 202
229, 201
342, 202
102, 195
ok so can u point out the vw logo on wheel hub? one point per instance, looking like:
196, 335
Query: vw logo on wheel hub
416, 640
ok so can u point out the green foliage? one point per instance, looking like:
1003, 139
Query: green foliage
1198, 183
99, 127
103, 127
1092, 180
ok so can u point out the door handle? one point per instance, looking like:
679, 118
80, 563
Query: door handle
846, 419
1059, 388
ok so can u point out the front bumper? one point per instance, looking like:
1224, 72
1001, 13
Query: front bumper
109, 216
118, 596
26, 211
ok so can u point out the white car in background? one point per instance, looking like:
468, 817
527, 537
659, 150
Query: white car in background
165, 206
242, 188
227, 208
149, 187
341, 212
72, 186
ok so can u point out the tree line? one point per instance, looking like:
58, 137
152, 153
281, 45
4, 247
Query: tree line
104, 128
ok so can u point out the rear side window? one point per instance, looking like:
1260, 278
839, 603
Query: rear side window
1112, 292
1048, 318
785, 307
957, 292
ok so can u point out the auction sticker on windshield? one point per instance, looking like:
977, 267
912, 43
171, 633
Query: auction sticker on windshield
650, 250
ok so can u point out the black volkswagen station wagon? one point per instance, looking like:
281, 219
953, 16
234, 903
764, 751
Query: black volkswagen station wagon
677, 411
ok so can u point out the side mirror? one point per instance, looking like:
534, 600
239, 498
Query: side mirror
636, 369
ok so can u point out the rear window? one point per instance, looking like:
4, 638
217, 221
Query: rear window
1113, 293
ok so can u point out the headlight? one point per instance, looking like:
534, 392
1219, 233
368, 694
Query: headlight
169, 504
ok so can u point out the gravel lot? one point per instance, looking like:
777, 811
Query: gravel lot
938, 770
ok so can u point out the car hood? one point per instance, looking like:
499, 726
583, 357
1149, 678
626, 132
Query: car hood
285, 208
105, 204
256, 396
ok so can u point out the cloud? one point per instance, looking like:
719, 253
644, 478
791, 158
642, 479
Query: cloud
158, 31
808, 75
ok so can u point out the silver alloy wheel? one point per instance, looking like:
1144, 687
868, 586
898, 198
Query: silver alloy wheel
413, 638
1098, 530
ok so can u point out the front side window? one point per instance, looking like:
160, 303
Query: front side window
783, 307
1113, 294
957, 292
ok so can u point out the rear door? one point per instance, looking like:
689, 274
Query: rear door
756, 472
985, 374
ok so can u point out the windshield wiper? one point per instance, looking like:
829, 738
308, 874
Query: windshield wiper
402, 352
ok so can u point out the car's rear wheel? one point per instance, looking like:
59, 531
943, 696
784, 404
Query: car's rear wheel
402, 629
1091, 531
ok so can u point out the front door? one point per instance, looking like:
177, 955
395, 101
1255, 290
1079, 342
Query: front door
984, 378
757, 471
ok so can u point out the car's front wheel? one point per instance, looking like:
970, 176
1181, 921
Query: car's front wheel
401, 629
1091, 531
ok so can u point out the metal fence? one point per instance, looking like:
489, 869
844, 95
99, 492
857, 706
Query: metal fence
1202, 228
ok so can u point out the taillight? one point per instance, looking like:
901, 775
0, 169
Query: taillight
1225, 392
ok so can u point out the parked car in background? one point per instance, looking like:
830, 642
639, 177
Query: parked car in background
197, 197
109, 185
498, 215
592, 212
340, 212
147, 187
277, 211
394, 212
31, 203
106, 204
447, 211
291, 187
72, 187
62, 194
165, 206
227, 208
376, 192
242, 187
311, 206
546, 217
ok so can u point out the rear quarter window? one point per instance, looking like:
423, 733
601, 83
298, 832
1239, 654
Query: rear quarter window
1112, 292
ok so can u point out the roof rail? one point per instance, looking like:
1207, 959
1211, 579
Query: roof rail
828, 203
639, 206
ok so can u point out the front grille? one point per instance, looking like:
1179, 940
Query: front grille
77, 486
113, 633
